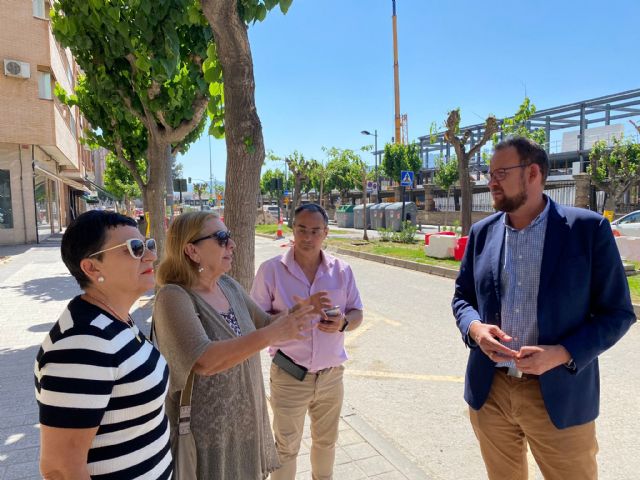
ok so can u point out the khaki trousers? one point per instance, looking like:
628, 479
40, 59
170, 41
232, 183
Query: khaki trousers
319, 393
515, 414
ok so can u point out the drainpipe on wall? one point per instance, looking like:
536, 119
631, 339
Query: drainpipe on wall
33, 179
24, 212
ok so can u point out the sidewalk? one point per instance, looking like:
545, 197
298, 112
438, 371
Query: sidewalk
35, 287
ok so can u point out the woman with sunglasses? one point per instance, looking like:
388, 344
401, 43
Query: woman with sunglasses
100, 384
205, 322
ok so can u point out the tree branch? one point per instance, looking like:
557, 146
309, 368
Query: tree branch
175, 135
131, 166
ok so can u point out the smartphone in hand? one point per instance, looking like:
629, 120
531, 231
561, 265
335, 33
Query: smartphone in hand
331, 312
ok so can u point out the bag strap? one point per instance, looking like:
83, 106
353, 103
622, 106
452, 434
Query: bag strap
184, 414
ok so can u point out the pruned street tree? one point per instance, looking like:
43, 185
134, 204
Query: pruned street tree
343, 171
519, 125
243, 131
614, 169
143, 69
460, 142
200, 189
446, 175
300, 169
398, 157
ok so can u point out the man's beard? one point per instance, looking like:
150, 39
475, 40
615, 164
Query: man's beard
510, 204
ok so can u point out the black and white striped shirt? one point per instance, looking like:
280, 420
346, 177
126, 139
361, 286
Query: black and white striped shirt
91, 371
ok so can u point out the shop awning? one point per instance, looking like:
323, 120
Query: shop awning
66, 181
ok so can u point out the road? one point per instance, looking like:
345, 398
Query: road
406, 367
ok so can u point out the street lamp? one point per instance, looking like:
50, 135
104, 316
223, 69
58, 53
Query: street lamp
375, 153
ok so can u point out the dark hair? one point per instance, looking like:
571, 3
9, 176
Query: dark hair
529, 152
312, 207
86, 235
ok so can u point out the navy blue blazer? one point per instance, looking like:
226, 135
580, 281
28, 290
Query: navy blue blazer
583, 304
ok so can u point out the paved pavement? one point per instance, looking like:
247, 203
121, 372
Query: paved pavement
35, 287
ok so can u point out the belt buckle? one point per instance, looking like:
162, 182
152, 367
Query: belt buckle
514, 372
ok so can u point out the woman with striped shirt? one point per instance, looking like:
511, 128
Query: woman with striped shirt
100, 384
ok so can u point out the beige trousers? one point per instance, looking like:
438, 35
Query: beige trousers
514, 415
321, 395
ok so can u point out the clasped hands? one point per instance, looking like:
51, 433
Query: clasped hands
535, 359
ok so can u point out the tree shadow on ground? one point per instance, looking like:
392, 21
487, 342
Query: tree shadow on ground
19, 430
46, 289
43, 327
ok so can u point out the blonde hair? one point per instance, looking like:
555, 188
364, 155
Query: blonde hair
176, 267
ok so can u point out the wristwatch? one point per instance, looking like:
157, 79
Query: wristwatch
346, 324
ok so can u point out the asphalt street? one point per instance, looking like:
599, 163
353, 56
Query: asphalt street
406, 367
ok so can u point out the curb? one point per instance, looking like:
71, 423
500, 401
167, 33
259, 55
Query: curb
385, 448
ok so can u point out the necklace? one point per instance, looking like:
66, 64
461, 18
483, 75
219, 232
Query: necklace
128, 322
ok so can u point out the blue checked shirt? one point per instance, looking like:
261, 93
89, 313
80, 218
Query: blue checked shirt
520, 281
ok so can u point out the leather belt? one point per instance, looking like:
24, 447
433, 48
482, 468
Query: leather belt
511, 372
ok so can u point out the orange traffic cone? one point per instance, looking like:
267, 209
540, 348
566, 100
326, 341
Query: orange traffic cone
279, 235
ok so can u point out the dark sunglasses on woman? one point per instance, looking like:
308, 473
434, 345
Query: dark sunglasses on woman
137, 248
221, 236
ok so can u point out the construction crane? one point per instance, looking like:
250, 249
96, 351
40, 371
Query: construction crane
401, 127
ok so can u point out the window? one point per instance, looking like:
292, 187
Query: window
44, 85
6, 212
38, 8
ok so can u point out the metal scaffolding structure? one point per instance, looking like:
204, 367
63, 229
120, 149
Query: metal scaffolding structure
578, 115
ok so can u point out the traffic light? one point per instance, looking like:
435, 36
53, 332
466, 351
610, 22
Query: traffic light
189, 179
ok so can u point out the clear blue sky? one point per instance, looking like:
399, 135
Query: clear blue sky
324, 71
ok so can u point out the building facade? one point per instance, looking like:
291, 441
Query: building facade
44, 168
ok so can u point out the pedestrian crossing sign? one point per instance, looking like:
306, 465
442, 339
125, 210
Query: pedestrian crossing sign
406, 178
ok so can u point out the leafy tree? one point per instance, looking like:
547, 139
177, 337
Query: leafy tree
459, 142
343, 170
317, 179
144, 88
177, 170
267, 185
518, 124
399, 157
118, 179
301, 171
200, 189
636, 126
243, 132
446, 176
614, 169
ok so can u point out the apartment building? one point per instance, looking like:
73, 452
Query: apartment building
45, 172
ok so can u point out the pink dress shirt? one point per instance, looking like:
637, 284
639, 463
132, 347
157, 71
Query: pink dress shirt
280, 278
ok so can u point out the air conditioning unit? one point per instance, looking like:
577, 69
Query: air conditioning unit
14, 68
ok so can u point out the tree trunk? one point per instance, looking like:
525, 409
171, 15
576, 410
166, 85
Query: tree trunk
295, 201
154, 192
243, 131
465, 194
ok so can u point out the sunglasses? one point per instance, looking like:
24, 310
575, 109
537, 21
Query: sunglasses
221, 236
137, 248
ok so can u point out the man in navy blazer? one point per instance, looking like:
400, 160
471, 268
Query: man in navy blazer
540, 294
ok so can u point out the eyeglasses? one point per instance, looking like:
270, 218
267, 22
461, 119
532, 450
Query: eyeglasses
137, 248
222, 237
500, 174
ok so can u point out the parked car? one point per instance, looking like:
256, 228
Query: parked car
628, 225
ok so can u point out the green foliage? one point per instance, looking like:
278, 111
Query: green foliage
446, 174
400, 157
266, 185
343, 170
142, 65
517, 125
118, 179
406, 235
386, 234
620, 161
200, 189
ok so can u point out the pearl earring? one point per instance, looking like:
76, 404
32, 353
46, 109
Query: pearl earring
200, 269
100, 279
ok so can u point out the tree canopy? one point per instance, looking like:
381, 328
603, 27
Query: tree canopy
397, 158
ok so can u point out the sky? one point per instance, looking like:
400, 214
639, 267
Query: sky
324, 71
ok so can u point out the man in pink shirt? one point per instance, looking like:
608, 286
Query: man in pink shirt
306, 374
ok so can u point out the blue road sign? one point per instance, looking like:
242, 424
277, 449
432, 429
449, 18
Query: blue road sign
406, 178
